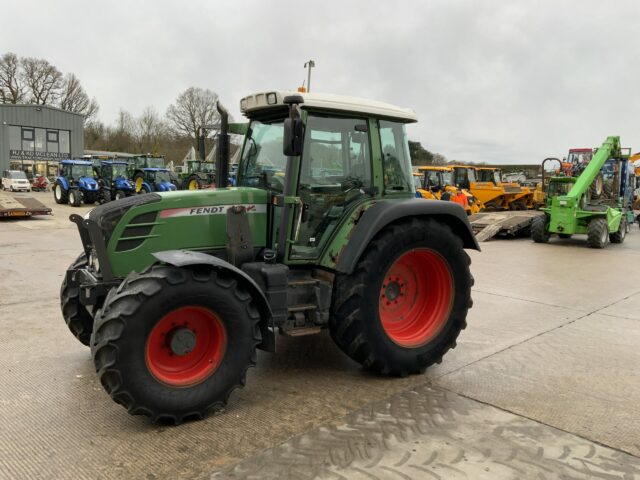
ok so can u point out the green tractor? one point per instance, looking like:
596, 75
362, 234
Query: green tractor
138, 163
174, 292
596, 202
197, 175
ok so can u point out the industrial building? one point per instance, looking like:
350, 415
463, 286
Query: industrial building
33, 138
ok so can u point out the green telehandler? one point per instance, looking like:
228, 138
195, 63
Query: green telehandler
175, 291
596, 202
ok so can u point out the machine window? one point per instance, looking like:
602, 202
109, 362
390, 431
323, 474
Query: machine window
396, 161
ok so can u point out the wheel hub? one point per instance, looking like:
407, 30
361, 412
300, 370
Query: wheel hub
182, 341
393, 290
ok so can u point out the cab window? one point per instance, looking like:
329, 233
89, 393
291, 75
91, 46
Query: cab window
396, 162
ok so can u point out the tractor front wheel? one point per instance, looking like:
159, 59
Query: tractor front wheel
75, 314
172, 343
619, 236
539, 232
598, 233
75, 198
406, 302
60, 195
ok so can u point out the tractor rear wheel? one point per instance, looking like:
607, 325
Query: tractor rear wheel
171, 343
138, 180
539, 233
74, 198
619, 236
192, 183
598, 233
60, 195
75, 314
406, 302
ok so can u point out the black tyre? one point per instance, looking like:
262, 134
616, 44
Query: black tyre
60, 195
144, 189
105, 195
596, 189
598, 233
492, 207
518, 205
120, 195
75, 197
619, 236
138, 180
539, 232
172, 343
406, 302
75, 314
192, 183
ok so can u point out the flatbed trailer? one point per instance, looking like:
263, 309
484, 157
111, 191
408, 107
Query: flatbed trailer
21, 207
512, 223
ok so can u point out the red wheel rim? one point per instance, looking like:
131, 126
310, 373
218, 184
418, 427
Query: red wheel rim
416, 297
176, 364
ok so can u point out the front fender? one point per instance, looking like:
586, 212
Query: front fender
385, 212
186, 258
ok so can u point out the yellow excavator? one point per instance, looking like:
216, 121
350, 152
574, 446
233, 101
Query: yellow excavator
436, 183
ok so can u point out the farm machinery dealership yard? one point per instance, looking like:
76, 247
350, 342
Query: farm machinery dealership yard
310, 264
347, 302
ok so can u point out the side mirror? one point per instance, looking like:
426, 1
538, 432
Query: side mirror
293, 137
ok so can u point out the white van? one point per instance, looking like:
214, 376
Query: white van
15, 180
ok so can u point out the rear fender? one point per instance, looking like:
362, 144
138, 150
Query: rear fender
386, 212
186, 258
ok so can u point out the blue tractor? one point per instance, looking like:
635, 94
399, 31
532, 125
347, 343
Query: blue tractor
156, 180
75, 183
113, 181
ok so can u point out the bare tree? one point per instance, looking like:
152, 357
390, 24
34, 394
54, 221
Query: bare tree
149, 130
43, 81
11, 86
193, 108
74, 98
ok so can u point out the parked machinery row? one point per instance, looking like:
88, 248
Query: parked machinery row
476, 188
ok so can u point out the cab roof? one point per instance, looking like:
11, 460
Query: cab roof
439, 169
273, 99
155, 169
76, 162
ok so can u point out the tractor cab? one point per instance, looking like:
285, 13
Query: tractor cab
321, 231
157, 180
113, 179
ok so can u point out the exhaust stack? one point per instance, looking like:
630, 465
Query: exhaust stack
222, 157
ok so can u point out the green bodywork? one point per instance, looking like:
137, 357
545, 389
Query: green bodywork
184, 220
571, 213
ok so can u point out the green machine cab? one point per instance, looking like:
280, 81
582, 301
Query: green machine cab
596, 202
175, 291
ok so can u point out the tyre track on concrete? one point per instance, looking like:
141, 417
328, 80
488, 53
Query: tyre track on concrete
428, 432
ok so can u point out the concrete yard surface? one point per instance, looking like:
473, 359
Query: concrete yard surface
544, 383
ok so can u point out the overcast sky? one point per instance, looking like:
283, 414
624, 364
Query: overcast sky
494, 81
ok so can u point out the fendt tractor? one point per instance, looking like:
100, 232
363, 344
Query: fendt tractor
175, 291
596, 203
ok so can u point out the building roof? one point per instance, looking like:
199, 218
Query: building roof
265, 100
38, 107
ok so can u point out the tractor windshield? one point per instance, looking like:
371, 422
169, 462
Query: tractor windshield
163, 176
263, 164
559, 189
433, 179
155, 162
119, 170
447, 178
78, 171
